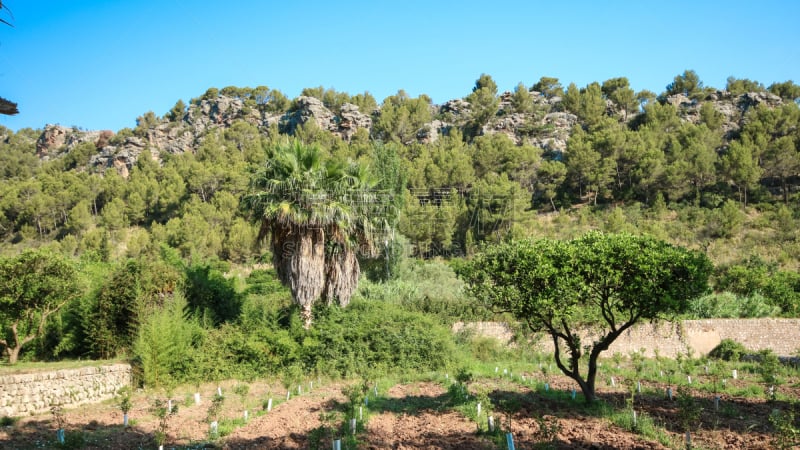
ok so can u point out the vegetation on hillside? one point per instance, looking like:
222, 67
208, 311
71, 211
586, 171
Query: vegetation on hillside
183, 226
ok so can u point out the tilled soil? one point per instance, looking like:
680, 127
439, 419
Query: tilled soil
408, 416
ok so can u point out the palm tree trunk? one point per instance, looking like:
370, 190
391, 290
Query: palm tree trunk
299, 256
342, 272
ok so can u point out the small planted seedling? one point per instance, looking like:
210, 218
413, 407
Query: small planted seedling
159, 409
60, 420
124, 403
215, 408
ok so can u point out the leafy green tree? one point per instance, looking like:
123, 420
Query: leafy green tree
586, 167
238, 245
163, 342
710, 116
688, 84
739, 86
176, 113
145, 122
603, 284
586, 103
522, 100
270, 100
618, 90
691, 160
18, 158
450, 163
113, 215
741, 168
210, 295
79, 218
549, 87
484, 103
33, 286
494, 203
401, 117
497, 153
645, 97
725, 222
317, 214
366, 102
781, 161
430, 222
549, 178
134, 289
787, 90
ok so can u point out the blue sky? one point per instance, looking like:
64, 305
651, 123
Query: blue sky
100, 64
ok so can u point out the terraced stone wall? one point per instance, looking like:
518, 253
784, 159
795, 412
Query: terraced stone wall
671, 339
30, 393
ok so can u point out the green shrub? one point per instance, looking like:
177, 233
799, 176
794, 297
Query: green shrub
232, 352
7, 421
769, 366
164, 340
730, 305
369, 336
210, 294
429, 287
728, 350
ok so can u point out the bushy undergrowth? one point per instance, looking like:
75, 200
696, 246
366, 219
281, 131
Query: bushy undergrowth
269, 340
728, 350
371, 335
164, 340
429, 287
730, 305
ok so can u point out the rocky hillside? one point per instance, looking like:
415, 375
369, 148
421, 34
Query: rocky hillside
548, 124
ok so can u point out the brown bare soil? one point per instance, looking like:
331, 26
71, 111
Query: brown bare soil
417, 415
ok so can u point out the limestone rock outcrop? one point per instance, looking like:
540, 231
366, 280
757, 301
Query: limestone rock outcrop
546, 124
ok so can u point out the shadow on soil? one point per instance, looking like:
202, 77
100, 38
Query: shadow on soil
41, 434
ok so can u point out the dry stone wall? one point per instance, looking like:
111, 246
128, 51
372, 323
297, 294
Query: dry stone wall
31, 393
671, 339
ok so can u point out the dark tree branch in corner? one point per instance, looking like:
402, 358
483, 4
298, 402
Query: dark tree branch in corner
7, 107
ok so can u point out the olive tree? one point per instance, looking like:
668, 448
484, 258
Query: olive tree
598, 285
33, 286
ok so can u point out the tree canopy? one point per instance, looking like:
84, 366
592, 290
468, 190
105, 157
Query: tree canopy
33, 286
594, 287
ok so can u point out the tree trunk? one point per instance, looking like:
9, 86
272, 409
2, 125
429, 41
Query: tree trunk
341, 278
13, 354
299, 257
588, 385
307, 316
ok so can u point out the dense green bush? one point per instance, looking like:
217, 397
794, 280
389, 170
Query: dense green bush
209, 294
231, 352
370, 336
728, 350
135, 288
780, 288
730, 305
429, 287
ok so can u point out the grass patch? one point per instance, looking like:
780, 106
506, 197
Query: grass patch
33, 367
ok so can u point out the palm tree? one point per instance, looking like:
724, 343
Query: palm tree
317, 214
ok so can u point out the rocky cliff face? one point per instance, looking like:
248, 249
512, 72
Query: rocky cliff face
547, 126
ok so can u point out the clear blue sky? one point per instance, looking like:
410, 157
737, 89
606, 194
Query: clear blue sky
100, 64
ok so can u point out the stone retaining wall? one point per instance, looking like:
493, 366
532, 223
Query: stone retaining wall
31, 393
671, 339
